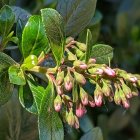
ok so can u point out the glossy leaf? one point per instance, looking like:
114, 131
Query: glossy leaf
102, 53
50, 125
77, 14
34, 39
26, 99
7, 19
89, 45
37, 92
16, 75
6, 88
30, 62
53, 23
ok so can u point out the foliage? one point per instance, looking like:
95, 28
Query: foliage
59, 94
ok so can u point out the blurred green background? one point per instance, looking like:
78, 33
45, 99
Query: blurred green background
117, 23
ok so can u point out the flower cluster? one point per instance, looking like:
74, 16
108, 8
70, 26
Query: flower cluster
110, 84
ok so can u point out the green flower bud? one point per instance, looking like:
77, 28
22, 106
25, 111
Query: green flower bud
106, 89
70, 118
80, 64
134, 90
69, 39
68, 81
96, 70
83, 96
57, 103
81, 46
126, 90
71, 56
117, 98
76, 122
98, 95
78, 52
60, 77
122, 95
79, 78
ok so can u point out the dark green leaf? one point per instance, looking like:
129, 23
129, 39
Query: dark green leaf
6, 88
93, 134
102, 53
89, 45
34, 39
94, 27
7, 19
38, 93
21, 18
16, 75
26, 99
50, 125
53, 23
77, 14
20, 14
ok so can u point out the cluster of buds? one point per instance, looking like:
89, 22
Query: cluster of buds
112, 84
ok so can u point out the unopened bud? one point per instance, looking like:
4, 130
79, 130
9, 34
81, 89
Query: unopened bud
96, 71
117, 98
83, 96
126, 90
78, 52
81, 46
76, 122
133, 79
70, 118
68, 81
57, 103
126, 104
60, 77
80, 110
134, 90
92, 61
91, 101
59, 90
98, 96
79, 78
69, 39
109, 71
80, 65
71, 56
106, 89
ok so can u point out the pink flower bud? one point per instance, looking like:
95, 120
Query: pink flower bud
80, 110
99, 71
109, 71
91, 103
126, 104
133, 79
68, 85
83, 66
80, 65
59, 90
68, 81
98, 100
57, 107
57, 103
